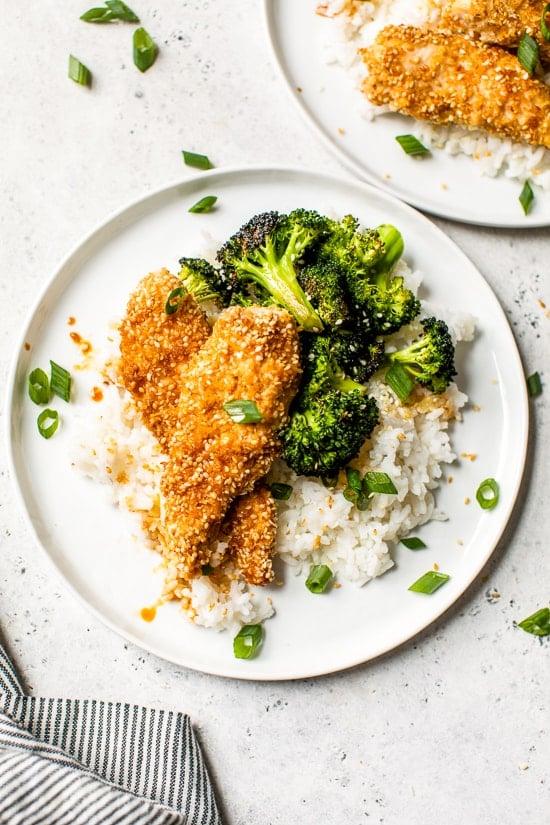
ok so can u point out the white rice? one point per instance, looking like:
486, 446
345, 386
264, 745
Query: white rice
346, 33
316, 525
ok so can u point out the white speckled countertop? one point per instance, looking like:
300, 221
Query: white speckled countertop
453, 727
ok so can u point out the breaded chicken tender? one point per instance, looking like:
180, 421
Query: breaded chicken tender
252, 523
450, 79
502, 22
252, 354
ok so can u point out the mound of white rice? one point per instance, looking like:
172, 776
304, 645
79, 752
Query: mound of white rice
316, 525
354, 24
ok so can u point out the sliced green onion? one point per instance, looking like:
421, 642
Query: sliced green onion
527, 197
400, 381
121, 11
60, 381
247, 641
48, 422
534, 385
354, 479
538, 624
488, 494
145, 50
281, 492
79, 72
544, 29
411, 145
355, 490
175, 300
413, 543
98, 15
243, 411
319, 578
528, 53
205, 204
429, 582
206, 569
39, 386
197, 161
379, 483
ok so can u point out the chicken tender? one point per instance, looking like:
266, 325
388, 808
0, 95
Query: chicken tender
252, 522
252, 354
496, 21
450, 79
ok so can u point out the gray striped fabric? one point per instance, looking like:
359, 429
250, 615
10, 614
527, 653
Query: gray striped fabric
70, 761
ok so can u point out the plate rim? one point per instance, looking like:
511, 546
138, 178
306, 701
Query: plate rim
192, 180
356, 168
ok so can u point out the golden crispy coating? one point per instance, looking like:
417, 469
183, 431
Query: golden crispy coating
154, 346
252, 354
252, 520
496, 21
450, 79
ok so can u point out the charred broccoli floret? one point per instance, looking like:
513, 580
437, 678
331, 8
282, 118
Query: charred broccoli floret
263, 257
351, 249
203, 281
359, 356
324, 288
430, 360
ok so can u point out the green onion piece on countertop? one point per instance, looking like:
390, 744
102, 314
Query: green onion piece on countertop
145, 50
79, 72
121, 11
197, 161
528, 53
98, 15
39, 386
487, 494
429, 582
175, 300
48, 422
281, 492
544, 28
205, 204
60, 381
411, 145
538, 624
399, 380
319, 577
527, 197
379, 483
534, 385
413, 543
243, 411
248, 641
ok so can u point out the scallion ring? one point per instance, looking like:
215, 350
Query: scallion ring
538, 623
205, 204
487, 494
527, 197
544, 28
121, 11
145, 50
534, 385
196, 160
79, 72
243, 411
399, 380
60, 381
429, 582
248, 641
319, 577
48, 422
39, 386
175, 300
375, 482
413, 543
412, 146
528, 53
281, 492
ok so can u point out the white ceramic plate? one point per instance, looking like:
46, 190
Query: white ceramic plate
452, 187
90, 543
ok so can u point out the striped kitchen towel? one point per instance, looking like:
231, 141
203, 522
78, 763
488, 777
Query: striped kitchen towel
86, 762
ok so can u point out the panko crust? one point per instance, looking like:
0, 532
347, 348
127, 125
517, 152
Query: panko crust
251, 538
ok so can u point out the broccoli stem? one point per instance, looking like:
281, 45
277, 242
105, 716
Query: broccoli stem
393, 249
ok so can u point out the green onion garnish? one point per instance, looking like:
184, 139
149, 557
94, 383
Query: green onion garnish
356, 490
411, 145
79, 72
121, 11
206, 569
527, 197
528, 53
379, 483
205, 204
281, 492
488, 494
98, 15
247, 641
538, 624
413, 543
534, 385
544, 29
197, 161
318, 579
145, 50
429, 582
400, 381
175, 300
243, 411
354, 479
46, 429
39, 386
60, 381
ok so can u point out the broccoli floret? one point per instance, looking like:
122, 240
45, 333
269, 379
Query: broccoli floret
265, 254
350, 249
324, 288
359, 355
203, 281
430, 360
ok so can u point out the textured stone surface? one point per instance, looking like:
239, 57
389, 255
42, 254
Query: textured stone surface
451, 728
